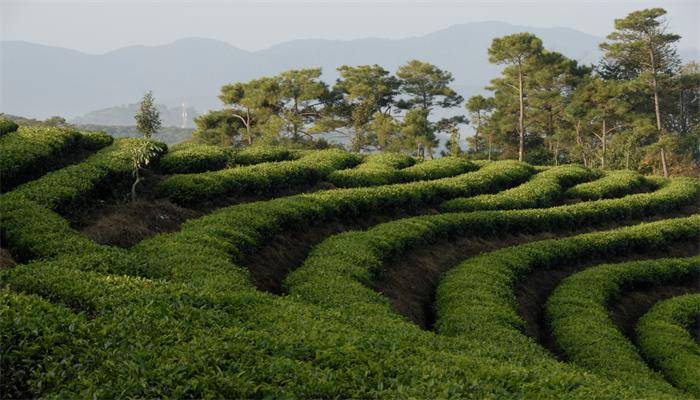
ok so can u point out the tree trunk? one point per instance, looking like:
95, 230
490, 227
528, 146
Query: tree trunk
521, 120
247, 127
476, 132
579, 140
133, 187
654, 86
657, 108
490, 139
604, 137
663, 162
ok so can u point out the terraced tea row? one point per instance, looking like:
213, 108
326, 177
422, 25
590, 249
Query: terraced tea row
179, 315
30, 151
664, 337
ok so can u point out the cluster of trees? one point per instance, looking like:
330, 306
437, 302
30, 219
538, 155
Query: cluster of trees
380, 110
638, 108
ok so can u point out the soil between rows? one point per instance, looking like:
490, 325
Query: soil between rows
534, 289
627, 309
409, 280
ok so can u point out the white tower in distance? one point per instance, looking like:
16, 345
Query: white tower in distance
184, 116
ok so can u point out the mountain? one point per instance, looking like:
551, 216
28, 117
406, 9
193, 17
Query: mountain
40, 81
124, 116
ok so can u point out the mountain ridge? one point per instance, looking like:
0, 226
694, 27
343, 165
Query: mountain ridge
193, 69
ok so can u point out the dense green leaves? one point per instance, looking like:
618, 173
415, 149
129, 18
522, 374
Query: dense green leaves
260, 179
7, 126
664, 338
543, 190
24, 151
581, 324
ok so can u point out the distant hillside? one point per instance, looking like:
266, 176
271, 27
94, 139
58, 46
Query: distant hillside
169, 134
124, 115
40, 81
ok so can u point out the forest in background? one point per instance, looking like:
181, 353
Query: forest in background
638, 108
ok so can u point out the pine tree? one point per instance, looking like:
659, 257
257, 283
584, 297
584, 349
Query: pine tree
147, 118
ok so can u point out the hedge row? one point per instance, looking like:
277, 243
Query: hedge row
543, 190
375, 170
150, 339
94, 140
259, 179
438, 168
32, 150
33, 332
203, 248
7, 126
156, 339
664, 339
189, 157
612, 184
30, 225
582, 326
388, 168
338, 271
475, 300
121, 337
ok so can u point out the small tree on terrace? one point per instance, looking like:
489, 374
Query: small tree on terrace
141, 155
148, 117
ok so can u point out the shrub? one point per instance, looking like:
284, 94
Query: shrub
582, 326
439, 168
260, 179
94, 140
663, 335
376, 169
339, 266
193, 157
612, 184
30, 225
7, 126
543, 190
29, 151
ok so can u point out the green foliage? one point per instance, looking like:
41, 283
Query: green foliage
375, 170
476, 301
663, 336
190, 157
148, 117
427, 86
387, 168
542, 190
30, 224
179, 316
29, 151
95, 140
217, 128
142, 155
639, 44
438, 168
263, 178
51, 329
7, 126
581, 324
612, 184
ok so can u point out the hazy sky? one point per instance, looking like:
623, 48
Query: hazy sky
101, 26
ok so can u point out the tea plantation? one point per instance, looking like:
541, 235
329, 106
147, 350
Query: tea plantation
328, 274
